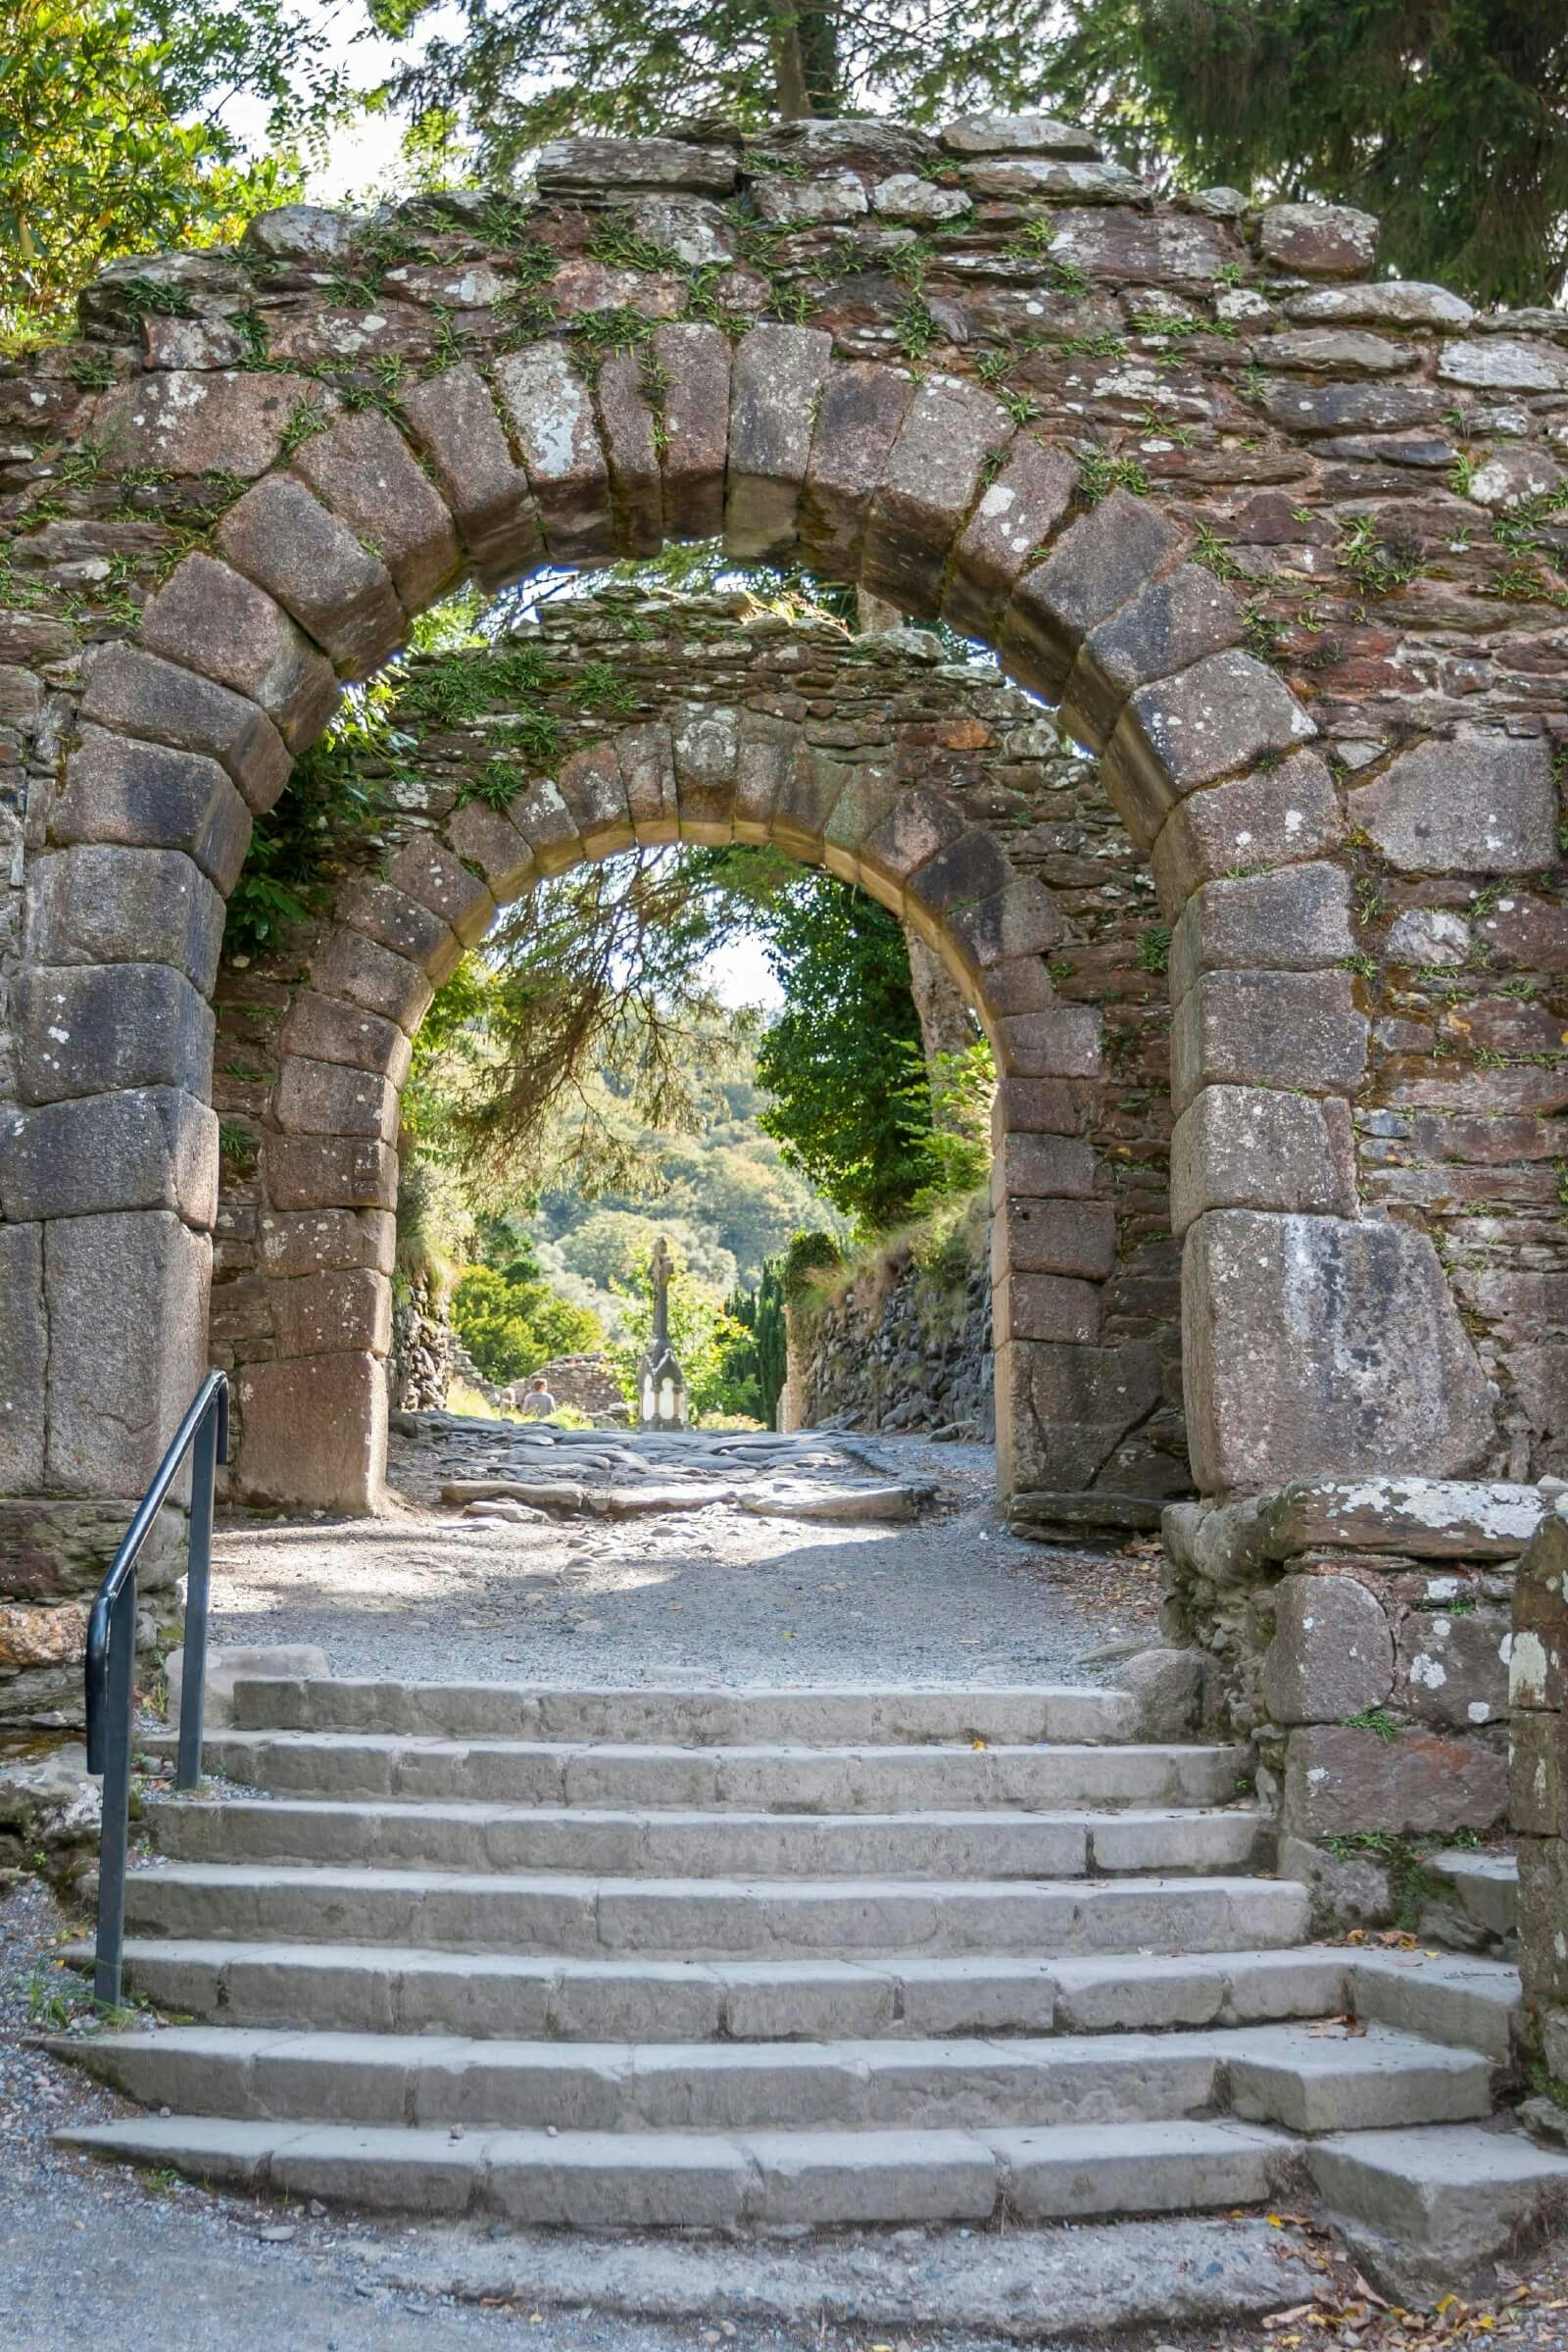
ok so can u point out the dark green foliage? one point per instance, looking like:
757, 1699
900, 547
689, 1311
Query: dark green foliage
1447, 118
808, 1254
510, 1321
771, 1339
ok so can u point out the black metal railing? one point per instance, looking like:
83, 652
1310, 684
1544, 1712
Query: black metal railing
112, 1661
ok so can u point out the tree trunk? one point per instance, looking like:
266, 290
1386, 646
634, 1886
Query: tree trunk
947, 1025
805, 59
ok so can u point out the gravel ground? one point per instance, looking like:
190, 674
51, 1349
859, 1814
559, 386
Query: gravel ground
713, 1596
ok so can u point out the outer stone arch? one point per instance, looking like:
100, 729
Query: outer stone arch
1319, 1338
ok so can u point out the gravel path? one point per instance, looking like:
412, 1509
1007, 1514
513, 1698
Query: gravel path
713, 1595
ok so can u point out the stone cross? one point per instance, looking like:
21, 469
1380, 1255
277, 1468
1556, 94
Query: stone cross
660, 1267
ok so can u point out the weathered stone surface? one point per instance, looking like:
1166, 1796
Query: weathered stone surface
455, 424
342, 1401
705, 746
1269, 818
778, 372
1066, 1408
1332, 1654
905, 196
55, 1550
1339, 1780
862, 409
284, 540
1054, 178
346, 965
1225, 712
191, 343
1475, 804
1312, 1342
835, 196
646, 756
132, 693
694, 363
1115, 244
326, 1241
541, 815
1046, 1307
1454, 1671
24, 1364
1320, 240
1429, 1518
305, 1171
304, 232
210, 618
1176, 622
101, 904
360, 468
42, 1637
331, 1097
332, 1314
326, 1029
933, 476
592, 163
1043, 1167
435, 879
1021, 919
693, 228
148, 796
1334, 351
1168, 1685
868, 143
383, 912
1500, 364
1054, 1237
1280, 1029
552, 413
93, 1029
1248, 1147
1096, 566
485, 838
192, 422
1019, 134
127, 1296
1065, 1041
145, 1148
630, 428
1384, 302
1428, 935
1295, 919
1011, 521
1365, 407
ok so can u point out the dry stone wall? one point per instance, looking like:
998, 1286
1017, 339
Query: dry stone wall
904, 1345
1283, 540
1539, 1676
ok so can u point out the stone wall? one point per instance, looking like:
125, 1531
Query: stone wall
1540, 1793
903, 1344
1360, 1634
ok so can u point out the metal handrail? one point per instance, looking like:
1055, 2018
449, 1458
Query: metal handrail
111, 1665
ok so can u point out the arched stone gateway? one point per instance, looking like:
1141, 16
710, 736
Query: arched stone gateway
1279, 538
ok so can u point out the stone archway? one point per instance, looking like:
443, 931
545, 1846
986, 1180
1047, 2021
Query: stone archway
1034, 402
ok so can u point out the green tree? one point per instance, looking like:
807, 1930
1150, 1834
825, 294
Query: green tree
1447, 118
771, 1339
702, 1332
511, 1322
113, 139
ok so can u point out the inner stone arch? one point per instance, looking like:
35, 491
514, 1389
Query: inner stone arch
731, 723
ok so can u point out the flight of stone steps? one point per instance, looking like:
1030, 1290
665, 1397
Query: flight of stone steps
729, 1957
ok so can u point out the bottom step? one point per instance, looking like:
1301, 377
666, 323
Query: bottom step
630, 2181
1423, 2208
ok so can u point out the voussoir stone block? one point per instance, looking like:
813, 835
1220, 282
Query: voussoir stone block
646, 756
802, 814
1244, 1147
329, 1172
693, 360
427, 872
146, 795
23, 1357
1225, 712
1097, 565
101, 904
631, 430
379, 911
330, 1029
347, 964
1315, 1342
552, 413
1332, 1653
777, 374
861, 411
360, 468
1176, 622
326, 1241
542, 816
482, 837
933, 476
1280, 1029
284, 539
1341, 1782
1475, 804
962, 873
1015, 515
453, 420
146, 1148
133, 693
315, 1431
208, 618
92, 1029
1021, 919
1297, 918
706, 744
1271, 818
331, 1097
590, 783
197, 421
126, 1294
332, 1313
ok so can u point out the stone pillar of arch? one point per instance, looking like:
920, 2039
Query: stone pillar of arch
1197, 475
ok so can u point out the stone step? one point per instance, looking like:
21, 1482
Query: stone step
1307, 2080
626, 2180
695, 1919
1487, 1886
792, 1779
365, 1989
864, 1715
670, 1843
1424, 2208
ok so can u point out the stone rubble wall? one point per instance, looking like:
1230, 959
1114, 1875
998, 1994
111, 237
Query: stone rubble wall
1539, 1795
420, 1365
900, 1347
587, 1382
1283, 539
1360, 1632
